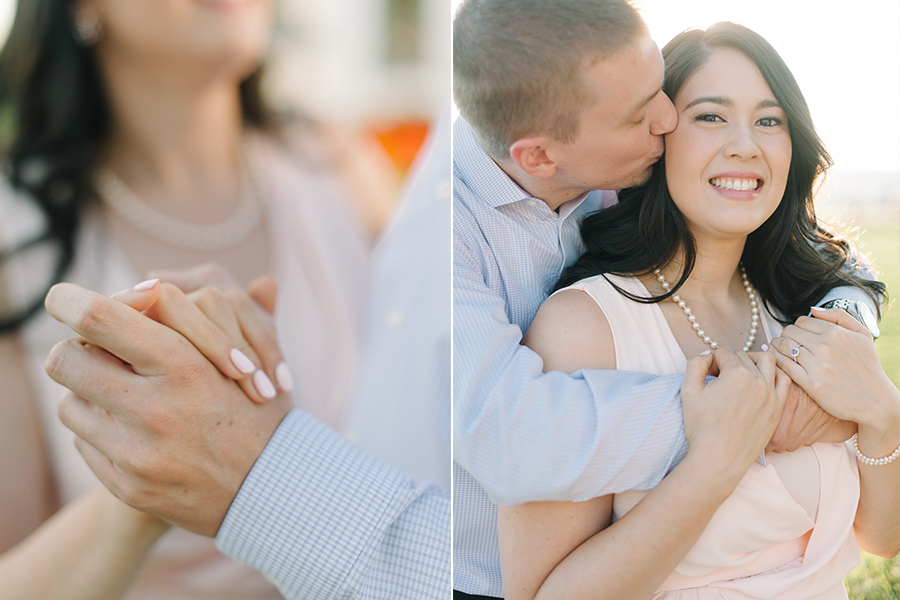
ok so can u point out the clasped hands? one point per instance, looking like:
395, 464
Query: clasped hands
820, 397
159, 407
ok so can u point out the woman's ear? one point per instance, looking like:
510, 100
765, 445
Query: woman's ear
531, 155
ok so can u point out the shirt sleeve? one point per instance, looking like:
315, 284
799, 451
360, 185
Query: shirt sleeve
848, 292
324, 519
528, 436
860, 266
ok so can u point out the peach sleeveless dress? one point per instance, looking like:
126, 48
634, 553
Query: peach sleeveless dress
786, 532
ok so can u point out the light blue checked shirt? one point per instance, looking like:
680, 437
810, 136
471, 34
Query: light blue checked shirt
521, 435
326, 518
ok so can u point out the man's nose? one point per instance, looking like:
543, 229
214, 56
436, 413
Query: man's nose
666, 117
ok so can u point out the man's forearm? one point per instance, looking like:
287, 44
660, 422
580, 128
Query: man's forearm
530, 436
325, 519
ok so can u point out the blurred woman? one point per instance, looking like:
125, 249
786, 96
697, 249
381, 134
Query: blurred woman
138, 140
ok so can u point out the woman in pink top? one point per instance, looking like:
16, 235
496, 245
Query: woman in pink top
724, 257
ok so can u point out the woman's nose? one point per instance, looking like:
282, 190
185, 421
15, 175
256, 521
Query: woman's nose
742, 143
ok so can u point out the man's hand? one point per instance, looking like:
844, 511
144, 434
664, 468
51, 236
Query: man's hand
803, 423
161, 427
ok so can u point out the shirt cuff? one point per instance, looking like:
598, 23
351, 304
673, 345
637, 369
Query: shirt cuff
310, 508
848, 292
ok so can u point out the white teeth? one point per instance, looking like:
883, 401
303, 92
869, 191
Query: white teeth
729, 183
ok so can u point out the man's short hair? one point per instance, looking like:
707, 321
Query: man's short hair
518, 64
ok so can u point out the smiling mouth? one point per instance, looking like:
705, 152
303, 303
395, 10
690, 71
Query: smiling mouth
736, 184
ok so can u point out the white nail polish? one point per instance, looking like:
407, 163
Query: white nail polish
283, 377
263, 385
146, 285
705, 353
765, 347
240, 360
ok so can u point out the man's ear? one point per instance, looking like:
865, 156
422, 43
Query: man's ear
530, 154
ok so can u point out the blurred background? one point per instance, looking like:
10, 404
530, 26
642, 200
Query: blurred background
377, 69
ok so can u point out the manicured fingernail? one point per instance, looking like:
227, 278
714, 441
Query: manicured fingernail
816, 309
146, 285
263, 385
240, 360
705, 353
765, 347
283, 377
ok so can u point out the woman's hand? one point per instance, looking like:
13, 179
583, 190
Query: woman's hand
233, 329
730, 420
837, 365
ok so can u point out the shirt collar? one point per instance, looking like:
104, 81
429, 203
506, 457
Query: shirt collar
480, 173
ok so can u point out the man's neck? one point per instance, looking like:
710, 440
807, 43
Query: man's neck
548, 190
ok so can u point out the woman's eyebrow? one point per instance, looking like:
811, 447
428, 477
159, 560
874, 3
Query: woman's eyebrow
713, 99
722, 100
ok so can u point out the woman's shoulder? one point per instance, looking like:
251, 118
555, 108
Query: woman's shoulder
571, 331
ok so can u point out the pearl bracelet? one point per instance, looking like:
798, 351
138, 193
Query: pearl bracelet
875, 462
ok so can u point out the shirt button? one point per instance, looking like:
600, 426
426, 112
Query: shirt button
443, 190
532, 203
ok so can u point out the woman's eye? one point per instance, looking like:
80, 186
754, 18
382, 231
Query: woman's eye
709, 118
770, 121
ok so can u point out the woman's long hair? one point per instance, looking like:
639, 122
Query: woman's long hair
791, 261
54, 116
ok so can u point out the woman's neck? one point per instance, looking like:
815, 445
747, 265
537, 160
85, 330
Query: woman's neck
173, 126
715, 294
715, 266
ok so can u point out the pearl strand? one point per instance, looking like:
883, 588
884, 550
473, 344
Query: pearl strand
754, 311
874, 462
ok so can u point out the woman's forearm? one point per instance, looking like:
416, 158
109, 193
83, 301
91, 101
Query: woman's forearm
632, 557
89, 550
878, 516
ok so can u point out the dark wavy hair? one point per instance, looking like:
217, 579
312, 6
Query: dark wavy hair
54, 115
790, 259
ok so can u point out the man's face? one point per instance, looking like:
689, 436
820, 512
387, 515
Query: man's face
620, 136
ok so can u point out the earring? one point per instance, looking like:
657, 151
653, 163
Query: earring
86, 27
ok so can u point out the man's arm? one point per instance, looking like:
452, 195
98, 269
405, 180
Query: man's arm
529, 436
326, 520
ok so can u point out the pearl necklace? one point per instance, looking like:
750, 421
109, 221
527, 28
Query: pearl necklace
175, 232
754, 311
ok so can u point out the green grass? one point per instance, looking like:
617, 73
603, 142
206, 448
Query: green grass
876, 578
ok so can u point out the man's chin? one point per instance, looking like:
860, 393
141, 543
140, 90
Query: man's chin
635, 181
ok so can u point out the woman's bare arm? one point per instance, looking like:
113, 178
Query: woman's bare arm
89, 550
27, 496
839, 368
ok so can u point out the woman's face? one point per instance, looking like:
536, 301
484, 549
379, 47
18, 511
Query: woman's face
727, 162
227, 33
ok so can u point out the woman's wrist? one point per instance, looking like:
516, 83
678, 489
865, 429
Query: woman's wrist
717, 478
125, 519
879, 433
881, 415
